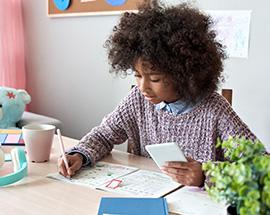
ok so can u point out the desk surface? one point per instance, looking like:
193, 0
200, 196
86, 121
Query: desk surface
37, 194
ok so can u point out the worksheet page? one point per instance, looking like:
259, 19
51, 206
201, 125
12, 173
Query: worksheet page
143, 183
126, 180
93, 177
194, 201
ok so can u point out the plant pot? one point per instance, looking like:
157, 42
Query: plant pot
231, 210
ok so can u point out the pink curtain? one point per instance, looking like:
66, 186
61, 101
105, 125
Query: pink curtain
12, 54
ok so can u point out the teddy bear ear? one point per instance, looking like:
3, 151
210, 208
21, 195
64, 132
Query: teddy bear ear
25, 96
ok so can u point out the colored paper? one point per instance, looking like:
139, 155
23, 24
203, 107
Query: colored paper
11, 137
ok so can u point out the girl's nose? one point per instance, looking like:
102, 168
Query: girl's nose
143, 85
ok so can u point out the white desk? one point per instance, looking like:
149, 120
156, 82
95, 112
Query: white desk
39, 195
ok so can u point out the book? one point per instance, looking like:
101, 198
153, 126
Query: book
11, 137
191, 200
133, 206
126, 180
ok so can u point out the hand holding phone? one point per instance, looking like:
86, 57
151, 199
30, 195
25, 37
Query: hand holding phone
164, 152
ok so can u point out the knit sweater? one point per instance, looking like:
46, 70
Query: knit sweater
135, 119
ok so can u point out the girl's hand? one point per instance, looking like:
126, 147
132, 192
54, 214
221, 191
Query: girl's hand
186, 173
75, 163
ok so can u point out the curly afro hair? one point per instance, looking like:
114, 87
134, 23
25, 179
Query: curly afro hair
177, 41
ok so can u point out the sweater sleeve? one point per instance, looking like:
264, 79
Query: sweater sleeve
113, 130
230, 124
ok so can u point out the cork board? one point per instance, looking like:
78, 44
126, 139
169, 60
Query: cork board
93, 7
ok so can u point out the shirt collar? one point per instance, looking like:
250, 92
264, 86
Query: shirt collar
176, 107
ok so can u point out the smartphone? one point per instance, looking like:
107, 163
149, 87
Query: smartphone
164, 152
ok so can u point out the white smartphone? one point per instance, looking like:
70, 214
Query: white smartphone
164, 152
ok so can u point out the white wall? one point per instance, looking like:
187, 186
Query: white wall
68, 74
67, 70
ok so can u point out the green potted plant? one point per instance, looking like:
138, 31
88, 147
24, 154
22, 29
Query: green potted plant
243, 181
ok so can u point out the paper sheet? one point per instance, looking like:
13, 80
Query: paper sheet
133, 182
232, 28
143, 183
194, 201
93, 177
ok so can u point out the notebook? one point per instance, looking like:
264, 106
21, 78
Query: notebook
126, 180
182, 202
11, 137
133, 206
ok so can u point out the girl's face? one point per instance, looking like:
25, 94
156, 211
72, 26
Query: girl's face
155, 86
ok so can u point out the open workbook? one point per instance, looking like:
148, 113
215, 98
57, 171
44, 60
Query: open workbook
126, 180
182, 202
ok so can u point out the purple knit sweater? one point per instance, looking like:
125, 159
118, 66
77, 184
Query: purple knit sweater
136, 120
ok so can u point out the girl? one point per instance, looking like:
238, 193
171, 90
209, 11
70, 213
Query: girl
178, 66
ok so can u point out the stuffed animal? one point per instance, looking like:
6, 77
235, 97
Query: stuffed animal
12, 105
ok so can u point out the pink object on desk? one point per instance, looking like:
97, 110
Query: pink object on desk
62, 148
38, 140
13, 138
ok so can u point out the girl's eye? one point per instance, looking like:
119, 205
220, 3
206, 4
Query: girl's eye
137, 76
155, 80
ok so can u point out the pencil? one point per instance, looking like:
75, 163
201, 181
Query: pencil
62, 148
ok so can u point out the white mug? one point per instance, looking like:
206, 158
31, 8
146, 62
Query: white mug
38, 140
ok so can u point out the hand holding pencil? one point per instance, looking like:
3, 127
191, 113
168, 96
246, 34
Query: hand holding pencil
68, 164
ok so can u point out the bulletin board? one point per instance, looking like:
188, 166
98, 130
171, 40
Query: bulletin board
92, 7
